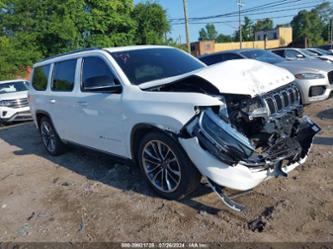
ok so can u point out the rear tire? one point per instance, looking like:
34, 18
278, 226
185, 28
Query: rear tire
50, 139
166, 167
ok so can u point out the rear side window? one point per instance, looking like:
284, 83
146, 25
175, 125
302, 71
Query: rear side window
40, 78
64, 76
96, 73
210, 60
279, 52
213, 59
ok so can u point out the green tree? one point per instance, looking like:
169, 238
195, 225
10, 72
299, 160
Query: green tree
14, 59
325, 12
247, 30
152, 23
35, 29
105, 23
308, 25
208, 33
265, 24
224, 38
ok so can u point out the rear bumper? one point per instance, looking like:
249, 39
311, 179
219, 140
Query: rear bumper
8, 115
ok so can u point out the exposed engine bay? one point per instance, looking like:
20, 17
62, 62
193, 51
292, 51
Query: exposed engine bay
263, 131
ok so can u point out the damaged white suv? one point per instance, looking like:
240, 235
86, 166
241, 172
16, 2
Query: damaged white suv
237, 123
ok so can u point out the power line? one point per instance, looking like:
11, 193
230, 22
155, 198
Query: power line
260, 13
235, 21
236, 12
254, 10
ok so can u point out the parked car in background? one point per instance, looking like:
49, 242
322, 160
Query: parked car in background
14, 101
298, 54
315, 80
237, 124
328, 48
321, 53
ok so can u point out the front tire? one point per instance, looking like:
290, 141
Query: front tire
166, 167
50, 139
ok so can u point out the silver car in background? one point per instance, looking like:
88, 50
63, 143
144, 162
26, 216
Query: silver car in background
292, 54
313, 78
321, 53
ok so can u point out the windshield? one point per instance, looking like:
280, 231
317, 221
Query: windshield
145, 65
262, 55
12, 87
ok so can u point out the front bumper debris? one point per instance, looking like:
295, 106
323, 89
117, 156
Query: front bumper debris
228, 158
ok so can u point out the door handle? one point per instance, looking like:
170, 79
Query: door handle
83, 103
53, 101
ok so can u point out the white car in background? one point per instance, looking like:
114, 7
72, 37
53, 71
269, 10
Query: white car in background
321, 53
14, 104
237, 123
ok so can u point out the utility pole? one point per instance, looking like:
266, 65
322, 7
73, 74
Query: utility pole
187, 27
240, 5
332, 33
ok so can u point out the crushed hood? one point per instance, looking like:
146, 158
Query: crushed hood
245, 76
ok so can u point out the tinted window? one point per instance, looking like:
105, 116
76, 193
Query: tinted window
156, 63
40, 77
64, 76
216, 58
95, 73
279, 52
11, 87
211, 59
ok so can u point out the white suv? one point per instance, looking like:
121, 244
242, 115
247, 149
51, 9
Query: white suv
14, 104
177, 118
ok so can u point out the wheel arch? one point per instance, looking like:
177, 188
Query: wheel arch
139, 130
40, 114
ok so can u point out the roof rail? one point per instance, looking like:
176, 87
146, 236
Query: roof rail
70, 52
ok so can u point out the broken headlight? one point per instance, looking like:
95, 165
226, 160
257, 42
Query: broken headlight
221, 139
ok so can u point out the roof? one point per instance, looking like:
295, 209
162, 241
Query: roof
10, 81
231, 51
129, 48
110, 50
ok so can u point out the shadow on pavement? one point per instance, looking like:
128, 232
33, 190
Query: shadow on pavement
323, 141
326, 114
93, 165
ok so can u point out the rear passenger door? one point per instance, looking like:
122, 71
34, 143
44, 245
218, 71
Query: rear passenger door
61, 97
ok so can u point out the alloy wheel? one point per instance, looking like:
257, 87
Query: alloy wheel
161, 166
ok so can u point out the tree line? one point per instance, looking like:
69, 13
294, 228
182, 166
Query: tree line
313, 25
34, 29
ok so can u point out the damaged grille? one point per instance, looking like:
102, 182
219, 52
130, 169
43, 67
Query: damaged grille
281, 99
330, 77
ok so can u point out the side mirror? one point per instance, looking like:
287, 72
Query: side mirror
103, 84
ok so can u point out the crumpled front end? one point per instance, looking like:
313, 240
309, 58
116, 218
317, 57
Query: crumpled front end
250, 139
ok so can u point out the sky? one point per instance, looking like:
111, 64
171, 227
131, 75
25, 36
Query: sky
202, 8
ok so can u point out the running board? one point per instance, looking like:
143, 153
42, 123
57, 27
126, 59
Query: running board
226, 199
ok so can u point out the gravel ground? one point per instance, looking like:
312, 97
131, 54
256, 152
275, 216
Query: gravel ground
85, 196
